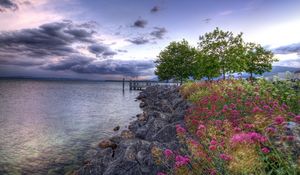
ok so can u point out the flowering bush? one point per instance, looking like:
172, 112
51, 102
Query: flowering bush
237, 127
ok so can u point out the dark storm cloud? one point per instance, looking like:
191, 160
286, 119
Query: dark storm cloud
8, 5
101, 50
86, 65
293, 48
48, 40
140, 23
155, 9
8, 59
68, 62
116, 67
158, 32
138, 40
89, 25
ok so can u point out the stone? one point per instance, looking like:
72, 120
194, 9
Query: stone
143, 104
130, 153
106, 143
166, 134
117, 128
126, 134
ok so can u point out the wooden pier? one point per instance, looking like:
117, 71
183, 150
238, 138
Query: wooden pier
140, 85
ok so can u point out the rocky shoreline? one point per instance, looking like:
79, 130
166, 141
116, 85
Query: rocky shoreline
131, 152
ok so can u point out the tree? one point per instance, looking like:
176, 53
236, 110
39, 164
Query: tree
225, 47
206, 66
257, 59
176, 61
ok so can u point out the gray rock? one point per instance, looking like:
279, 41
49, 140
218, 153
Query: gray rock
117, 128
163, 108
166, 134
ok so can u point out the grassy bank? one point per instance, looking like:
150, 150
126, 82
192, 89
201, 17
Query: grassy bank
238, 127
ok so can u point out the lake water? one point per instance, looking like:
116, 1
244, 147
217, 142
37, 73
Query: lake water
51, 127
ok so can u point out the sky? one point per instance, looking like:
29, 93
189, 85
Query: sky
112, 39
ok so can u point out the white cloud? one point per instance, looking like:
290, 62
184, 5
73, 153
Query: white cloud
28, 15
225, 13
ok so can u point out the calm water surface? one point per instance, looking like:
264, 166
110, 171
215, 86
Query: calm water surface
51, 127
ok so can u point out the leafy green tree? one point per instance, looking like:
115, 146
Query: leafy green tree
206, 66
176, 61
257, 59
225, 47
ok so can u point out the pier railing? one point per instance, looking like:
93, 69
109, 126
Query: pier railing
143, 84
140, 85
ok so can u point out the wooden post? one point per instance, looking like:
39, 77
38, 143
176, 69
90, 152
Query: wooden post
130, 84
123, 84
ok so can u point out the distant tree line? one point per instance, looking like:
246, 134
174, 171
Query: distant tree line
218, 53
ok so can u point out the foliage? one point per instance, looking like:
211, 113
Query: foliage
219, 52
224, 47
206, 66
237, 127
257, 59
175, 61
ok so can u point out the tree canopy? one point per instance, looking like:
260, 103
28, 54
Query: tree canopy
176, 61
257, 59
223, 46
218, 53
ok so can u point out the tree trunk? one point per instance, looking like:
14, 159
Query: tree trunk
223, 71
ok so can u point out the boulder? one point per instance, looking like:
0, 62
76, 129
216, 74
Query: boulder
117, 128
106, 143
126, 134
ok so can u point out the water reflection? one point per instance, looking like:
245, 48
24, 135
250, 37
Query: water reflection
48, 126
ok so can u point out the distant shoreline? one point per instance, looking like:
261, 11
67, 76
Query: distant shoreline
66, 79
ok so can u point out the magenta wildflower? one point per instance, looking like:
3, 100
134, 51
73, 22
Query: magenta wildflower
265, 150
201, 127
270, 130
213, 142
225, 157
256, 109
279, 120
237, 129
212, 147
249, 137
168, 153
180, 129
297, 119
181, 161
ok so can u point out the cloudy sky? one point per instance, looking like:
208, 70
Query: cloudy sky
112, 39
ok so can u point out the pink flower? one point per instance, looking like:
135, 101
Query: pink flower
218, 123
270, 130
161, 173
201, 127
256, 109
180, 129
265, 150
297, 119
248, 126
225, 108
213, 142
237, 129
212, 147
279, 120
250, 137
181, 161
225, 157
168, 153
